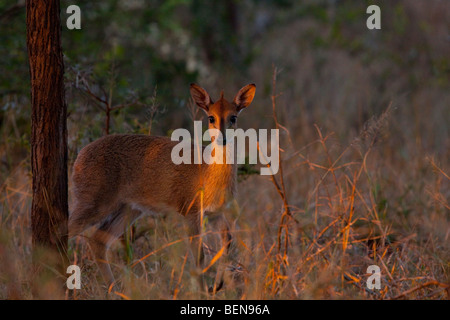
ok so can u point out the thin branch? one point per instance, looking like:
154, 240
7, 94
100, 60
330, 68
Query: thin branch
426, 284
12, 11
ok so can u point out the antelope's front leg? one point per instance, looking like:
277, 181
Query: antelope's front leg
226, 239
196, 240
196, 245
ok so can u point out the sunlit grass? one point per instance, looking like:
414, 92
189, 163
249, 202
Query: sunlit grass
365, 151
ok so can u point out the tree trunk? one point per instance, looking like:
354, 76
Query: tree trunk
49, 210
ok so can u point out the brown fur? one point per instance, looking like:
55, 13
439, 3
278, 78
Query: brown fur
117, 171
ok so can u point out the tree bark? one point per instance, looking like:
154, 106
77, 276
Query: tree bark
49, 211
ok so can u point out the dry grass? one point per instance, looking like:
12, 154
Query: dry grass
339, 219
365, 181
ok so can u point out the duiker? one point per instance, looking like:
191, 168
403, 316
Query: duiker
118, 178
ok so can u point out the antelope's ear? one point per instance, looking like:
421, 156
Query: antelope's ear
200, 96
245, 96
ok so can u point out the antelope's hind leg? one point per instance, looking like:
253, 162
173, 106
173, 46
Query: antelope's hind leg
108, 231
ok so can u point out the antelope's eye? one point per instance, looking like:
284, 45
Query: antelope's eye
211, 119
233, 119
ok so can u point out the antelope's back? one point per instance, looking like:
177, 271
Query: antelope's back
125, 164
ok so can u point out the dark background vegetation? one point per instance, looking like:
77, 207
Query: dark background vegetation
140, 57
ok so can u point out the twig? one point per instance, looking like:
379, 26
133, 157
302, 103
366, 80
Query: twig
281, 189
103, 102
426, 284
12, 10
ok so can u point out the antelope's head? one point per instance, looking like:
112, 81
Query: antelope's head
222, 115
